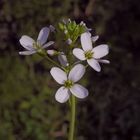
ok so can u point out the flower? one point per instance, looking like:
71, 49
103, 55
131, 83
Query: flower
92, 55
33, 46
68, 83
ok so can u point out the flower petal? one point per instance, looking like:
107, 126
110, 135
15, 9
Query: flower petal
79, 53
63, 59
27, 52
59, 75
27, 42
43, 35
47, 44
104, 61
76, 72
86, 41
94, 64
95, 38
100, 51
79, 91
62, 95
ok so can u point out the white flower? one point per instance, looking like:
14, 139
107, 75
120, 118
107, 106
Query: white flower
92, 55
68, 83
33, 46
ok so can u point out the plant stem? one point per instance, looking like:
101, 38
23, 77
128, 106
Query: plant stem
53, 62
50, 60
72, 119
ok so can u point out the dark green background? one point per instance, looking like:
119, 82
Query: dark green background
28, 110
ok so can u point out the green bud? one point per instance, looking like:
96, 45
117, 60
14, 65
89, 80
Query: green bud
61, 26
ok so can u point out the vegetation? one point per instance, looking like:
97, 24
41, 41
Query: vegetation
28, 110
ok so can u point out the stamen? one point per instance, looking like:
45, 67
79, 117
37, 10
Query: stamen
89, 54
68, 84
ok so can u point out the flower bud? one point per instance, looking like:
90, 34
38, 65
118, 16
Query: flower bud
69, 41
51, 52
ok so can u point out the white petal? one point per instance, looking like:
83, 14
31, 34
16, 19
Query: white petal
48, 44
59, 75
63, 59
79, 53
95, 38
79, 91
94, 64
62, 94
86, 41
100, 51
43, 35
104, 61
27, 42
76, 72
27, 52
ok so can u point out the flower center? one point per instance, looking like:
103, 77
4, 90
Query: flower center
68, 84
37, 46
89, 54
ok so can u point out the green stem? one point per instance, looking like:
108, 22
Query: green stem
72, 119
49, 59
53, 62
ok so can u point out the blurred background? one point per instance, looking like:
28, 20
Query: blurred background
28, 110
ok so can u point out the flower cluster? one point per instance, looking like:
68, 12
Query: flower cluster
71, 66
